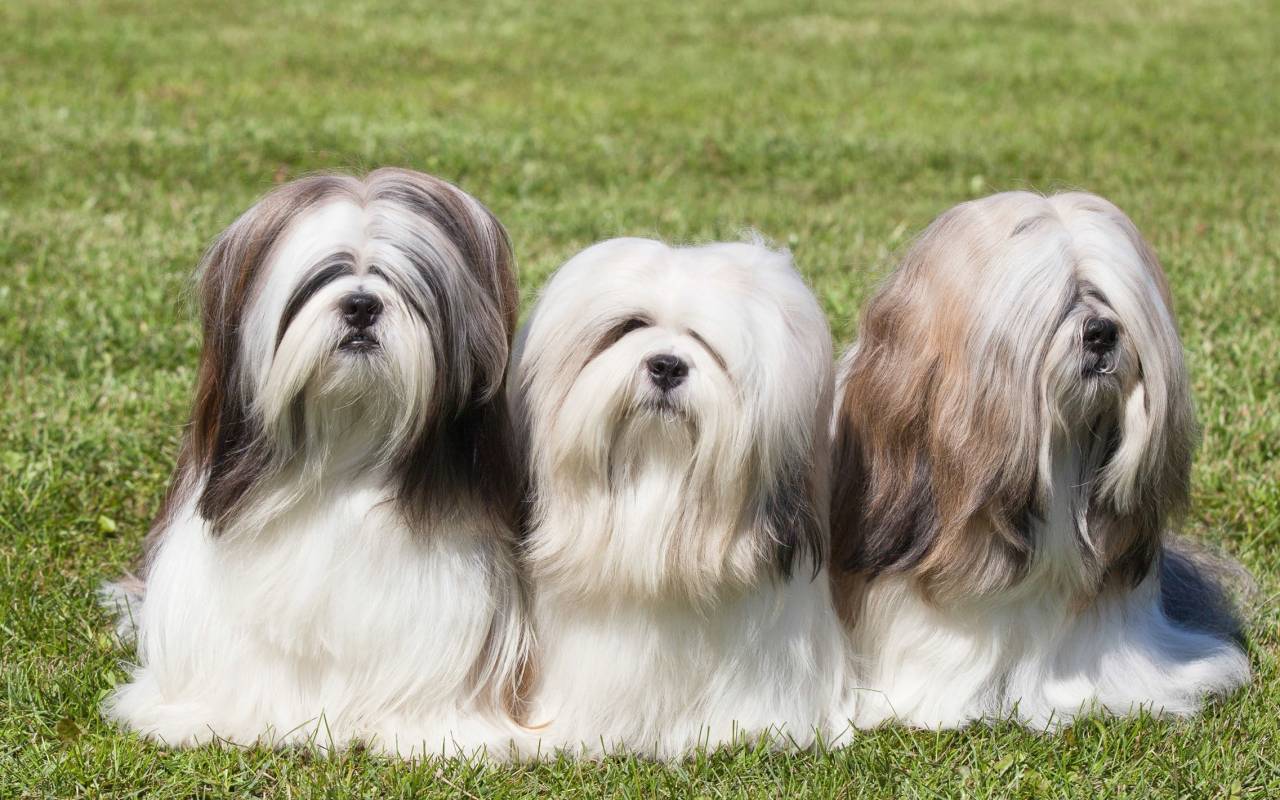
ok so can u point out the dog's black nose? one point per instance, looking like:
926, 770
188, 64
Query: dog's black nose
360, 310
1100, 334
667, 371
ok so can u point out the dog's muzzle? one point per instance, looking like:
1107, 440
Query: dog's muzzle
360, 310
666, 371
1099, 338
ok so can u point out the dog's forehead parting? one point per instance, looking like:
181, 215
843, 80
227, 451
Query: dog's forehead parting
333, 225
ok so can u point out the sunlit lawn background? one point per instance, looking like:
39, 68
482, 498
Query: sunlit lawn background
131, 133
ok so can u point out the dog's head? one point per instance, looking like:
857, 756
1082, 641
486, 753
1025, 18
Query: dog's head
678, 394
355, 325
1022, 362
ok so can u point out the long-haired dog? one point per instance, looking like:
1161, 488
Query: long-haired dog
672, 404
334, 561
1014, 432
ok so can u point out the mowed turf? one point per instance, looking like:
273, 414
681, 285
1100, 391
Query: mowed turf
131, 133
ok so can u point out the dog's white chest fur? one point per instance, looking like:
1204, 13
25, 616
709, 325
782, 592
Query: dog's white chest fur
1034, 652
1034, 655
335, 622
661, 676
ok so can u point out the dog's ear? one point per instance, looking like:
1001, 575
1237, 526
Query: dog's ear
466, 454
222, 452
466, 270
224, 444
934, 467
901, 529
465, 459
792, 518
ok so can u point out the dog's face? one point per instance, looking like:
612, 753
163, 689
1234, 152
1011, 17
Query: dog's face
337, 333
1023, 359
683, 389
358, 326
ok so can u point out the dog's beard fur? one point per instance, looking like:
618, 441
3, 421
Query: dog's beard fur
1002, 489
333, 561
675, 536
616, 458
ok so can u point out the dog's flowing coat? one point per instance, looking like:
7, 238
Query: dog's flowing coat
334, 561
672, 404
1013, 432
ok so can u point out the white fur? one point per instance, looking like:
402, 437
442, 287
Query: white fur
1031, 656
320, 613
660, 624
335, 623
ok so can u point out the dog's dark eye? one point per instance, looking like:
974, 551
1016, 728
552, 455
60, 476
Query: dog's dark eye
615, 334
633, 324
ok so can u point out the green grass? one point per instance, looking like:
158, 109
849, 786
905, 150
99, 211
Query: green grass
131, 133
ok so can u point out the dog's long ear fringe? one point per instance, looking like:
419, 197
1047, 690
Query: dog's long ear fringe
793, 521
225, 440
466, 456
925, 468
463, 461
221, 453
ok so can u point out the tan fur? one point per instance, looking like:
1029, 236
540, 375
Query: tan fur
939, 431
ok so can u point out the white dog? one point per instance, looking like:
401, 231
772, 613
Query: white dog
1014, 432
672, 403
334, 561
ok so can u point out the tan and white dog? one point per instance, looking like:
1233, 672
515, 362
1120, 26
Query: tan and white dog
1013, 434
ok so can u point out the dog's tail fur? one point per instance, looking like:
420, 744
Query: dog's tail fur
1205, 590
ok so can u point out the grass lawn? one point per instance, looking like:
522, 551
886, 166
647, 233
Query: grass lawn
132, 132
